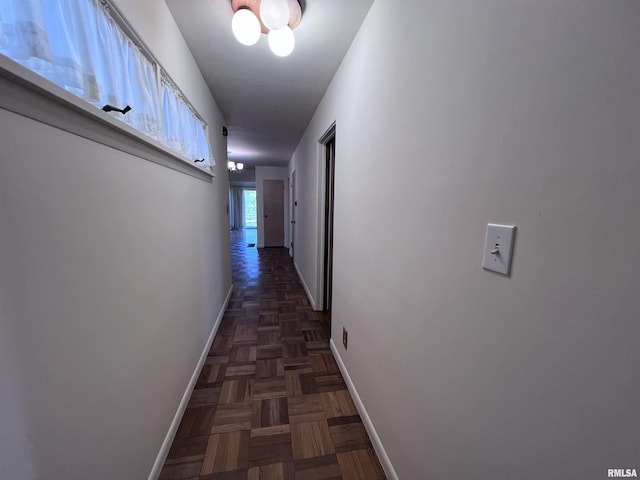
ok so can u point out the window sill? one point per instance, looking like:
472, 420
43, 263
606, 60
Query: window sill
27, 93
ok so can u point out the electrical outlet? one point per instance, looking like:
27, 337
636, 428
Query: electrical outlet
345, 337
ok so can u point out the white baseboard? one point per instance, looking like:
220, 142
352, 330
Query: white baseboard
306, 289
173, 428
366, 420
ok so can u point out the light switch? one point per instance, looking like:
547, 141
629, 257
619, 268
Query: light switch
498, 248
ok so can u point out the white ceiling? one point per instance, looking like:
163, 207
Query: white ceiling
267, 101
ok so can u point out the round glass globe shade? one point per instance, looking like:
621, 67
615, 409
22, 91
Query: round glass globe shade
274, 13
246, 27
282, 42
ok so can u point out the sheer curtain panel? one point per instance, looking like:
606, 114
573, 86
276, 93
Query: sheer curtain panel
237, 208
183, 130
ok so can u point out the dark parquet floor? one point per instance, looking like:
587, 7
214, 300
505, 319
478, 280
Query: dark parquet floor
270, 402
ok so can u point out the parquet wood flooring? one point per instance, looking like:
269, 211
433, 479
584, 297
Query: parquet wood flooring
270, 402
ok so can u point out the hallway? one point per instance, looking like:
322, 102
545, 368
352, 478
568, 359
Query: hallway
270, 402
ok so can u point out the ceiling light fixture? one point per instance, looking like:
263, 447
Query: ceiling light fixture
277, 18
234, 167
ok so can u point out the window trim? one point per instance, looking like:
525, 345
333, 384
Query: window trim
28, 94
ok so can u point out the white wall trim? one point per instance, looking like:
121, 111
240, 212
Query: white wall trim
306, 288
366, 420
173, 428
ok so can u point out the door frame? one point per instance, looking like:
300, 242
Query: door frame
292, 214
325, 244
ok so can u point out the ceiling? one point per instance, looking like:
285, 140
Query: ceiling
268, 101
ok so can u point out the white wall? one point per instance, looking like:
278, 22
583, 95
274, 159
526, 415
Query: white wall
456, 115
113, 271
243, 178
271, 173
308, 164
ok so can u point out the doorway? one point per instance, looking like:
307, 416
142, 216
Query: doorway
294, 204
329, 141
273, 201
249, 208
242, 207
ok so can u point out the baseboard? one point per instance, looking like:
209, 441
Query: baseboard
366, 420
306, 289
173, 428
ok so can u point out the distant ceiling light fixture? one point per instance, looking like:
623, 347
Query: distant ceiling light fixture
234, 167
277, 18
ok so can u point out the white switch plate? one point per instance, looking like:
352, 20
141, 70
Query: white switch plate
499, 240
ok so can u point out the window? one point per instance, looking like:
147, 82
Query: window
183, 130
250, 209
242, 208
81, 46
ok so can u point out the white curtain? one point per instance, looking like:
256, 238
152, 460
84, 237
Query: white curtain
184, 132
202, 144
236, 214
23, 36
79, 46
